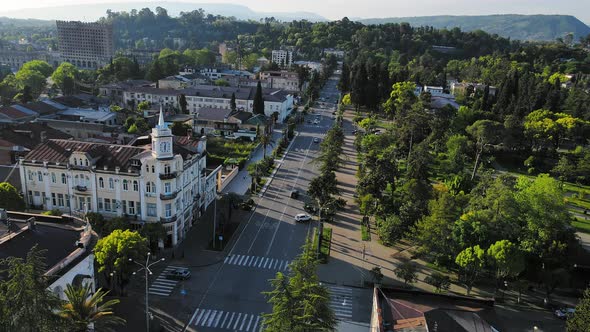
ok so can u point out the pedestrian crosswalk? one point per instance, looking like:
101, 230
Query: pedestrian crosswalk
259, 262
228, 320
341, 302
162, 286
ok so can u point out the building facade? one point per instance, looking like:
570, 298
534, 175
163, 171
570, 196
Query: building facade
85, 45
282, 58
164, 181
283, 79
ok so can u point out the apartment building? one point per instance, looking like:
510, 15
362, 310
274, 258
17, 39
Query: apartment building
85, 45
210, 96
163, 181
283, 79
282, 58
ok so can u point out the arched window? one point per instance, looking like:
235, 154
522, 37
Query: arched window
135, 185
148, 187
153, 169
63, 178
166, 169
101, 182
75, 162
147, 168
111, 183
40, 175
87, 163
125, 185
53, 178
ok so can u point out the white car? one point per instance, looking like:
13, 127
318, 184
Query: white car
316, 121
301, 217
316, 140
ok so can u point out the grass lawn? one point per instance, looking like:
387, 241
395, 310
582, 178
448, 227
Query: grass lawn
326, 242
581, 225
581, 203
365, 233
220, 149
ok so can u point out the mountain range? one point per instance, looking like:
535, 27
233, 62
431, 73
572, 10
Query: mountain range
92, 12
523, 27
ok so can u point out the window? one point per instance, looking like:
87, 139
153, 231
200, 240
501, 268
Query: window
87, 163
88, 204
81, 203
148, 187
111, 183
60, 200
178, 205
168, 210
138, 205
147, 168
63, 178
30, 176
100, 204
167, 187
53, 178
153, 169
107, 204
166, 169
76, 180
101, 182
135, 185
151, 209
67, 200
53, 199
125, 185
124, 202
40, 175
131, 207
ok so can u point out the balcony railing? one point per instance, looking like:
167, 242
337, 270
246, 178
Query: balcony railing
167, 176
168, 196
165, 220
81, 188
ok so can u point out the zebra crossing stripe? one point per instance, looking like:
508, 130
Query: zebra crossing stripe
237, 320
256, 261
212, 318
218, 318
199, 317
224, 319
256, 323
249, 322
231, 320
158, 293
207, 313
243, 321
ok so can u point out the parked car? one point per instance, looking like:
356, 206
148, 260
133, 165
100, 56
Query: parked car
179, 274
564, 313
295, 194
301, 217
316, 140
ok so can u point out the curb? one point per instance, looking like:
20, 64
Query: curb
279, 164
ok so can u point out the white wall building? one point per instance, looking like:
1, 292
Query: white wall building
165, 181
282, 58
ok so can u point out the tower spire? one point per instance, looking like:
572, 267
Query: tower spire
161, 123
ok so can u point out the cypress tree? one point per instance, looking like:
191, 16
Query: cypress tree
358, 87
232, 102
258, 105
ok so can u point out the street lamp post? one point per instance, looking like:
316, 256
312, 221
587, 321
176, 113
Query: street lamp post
146, 267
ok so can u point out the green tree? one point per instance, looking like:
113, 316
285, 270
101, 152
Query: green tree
31, 78
65, 74
40, 66
580, 321
144, 105
300, 303
401, 99
83, 307
182, 102
27, 303
180, 128
471, 261
408, 272
439, 281
507, 258
484, 132
10, 199
113, 253
232, 102
153, 232
258, 103
266, 141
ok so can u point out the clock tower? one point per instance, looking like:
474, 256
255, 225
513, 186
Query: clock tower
162, 139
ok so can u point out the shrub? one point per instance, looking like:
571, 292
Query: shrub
53, 212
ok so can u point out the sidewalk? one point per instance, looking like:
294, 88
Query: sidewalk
241, 183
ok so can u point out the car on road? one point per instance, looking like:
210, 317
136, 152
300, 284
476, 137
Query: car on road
179, 274
316, 140
301, 217
316, 121
564, 313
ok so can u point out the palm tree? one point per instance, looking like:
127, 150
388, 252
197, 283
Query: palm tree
266, 140
84, 309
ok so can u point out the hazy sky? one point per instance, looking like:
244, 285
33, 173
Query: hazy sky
335, 9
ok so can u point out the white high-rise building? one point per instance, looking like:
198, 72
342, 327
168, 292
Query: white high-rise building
85, 45
163, 181
282, 58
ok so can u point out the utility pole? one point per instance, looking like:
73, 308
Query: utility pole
146, 267
214, 219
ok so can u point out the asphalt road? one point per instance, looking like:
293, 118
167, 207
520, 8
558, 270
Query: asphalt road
228, 295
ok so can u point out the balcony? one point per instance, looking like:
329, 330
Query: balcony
168, 196
167, 176
166, 220
81, 188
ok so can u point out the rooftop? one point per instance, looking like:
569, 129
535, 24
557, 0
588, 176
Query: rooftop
213, 114
88, 114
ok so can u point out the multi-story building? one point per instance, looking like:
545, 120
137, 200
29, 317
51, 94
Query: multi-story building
164, 181
282, 58
285, 80
210, 96
85, 45
16, 58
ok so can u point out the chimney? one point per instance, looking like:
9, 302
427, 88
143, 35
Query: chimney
43, 136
